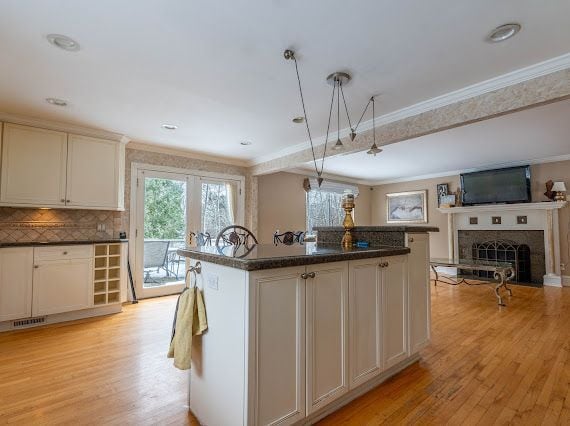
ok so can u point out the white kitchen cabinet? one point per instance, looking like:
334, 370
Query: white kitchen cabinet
419, 290
46, 168
365, 319
395, 301
33, 166
280, 343
62, 279
327, 333
16, 282
94, 172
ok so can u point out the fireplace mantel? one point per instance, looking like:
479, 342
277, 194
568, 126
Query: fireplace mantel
552, 205
523, 216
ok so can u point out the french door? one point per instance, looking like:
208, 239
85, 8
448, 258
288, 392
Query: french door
169, 205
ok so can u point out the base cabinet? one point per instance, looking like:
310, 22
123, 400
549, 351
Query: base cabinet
365, 319
327, 334
394, 310
280, 346
16, 283
62, 286
419, 291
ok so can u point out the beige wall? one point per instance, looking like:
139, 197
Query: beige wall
540, 173
281, 201
438, 240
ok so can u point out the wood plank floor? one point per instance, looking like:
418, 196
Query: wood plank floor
485, 365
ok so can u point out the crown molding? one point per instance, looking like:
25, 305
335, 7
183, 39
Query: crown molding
328, 176
518, 76
186, 153
62, 127
531, 162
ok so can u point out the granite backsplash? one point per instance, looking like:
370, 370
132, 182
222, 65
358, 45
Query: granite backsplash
25, 225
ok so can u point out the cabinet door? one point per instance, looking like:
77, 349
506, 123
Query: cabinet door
33, 166
16, 282
279, 300
419, 291
327, 334
62, 286
395, 301
93, 173
364, 312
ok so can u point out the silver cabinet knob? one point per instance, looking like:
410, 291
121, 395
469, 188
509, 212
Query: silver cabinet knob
304, 275
312, 274
36, 266
64, 252
68, 201
411, 240
62, 200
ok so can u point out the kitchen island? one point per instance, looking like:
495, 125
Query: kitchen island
295, 332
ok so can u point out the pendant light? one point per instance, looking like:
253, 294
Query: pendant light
374, 148
337, 80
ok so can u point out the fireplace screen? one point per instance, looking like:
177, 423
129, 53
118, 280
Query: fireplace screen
504, 251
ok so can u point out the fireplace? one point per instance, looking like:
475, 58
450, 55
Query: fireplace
504, 251
524, 249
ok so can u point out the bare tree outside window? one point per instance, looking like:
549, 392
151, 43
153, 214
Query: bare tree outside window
215, 208
324, 209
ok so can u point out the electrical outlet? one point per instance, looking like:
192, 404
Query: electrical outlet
212, 281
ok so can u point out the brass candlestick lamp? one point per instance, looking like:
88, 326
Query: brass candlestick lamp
348, 223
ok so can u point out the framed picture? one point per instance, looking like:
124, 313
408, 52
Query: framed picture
407, 207
442, 191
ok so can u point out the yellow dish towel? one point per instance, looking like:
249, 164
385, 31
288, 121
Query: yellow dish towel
189, 320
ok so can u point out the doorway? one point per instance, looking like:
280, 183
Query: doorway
169, 205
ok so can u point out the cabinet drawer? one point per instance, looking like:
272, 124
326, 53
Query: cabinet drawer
63, 252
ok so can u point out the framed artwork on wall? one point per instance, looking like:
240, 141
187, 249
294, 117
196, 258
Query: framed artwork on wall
407, 207
442, 191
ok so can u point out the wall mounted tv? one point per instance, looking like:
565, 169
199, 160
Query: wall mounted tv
510, 185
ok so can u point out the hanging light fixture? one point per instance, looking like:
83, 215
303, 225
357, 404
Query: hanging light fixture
337, 80
374, 148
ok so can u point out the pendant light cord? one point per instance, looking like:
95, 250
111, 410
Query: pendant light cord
305, 115
328, 128
363, 112
346, 109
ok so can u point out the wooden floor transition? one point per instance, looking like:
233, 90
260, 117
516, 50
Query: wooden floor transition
485, 365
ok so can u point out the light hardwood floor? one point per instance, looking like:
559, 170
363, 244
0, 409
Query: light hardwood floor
485, 365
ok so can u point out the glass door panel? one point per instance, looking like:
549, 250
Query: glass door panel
219, 207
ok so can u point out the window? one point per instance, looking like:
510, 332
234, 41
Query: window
324, 209
219, 204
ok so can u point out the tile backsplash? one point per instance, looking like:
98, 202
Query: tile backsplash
24, 225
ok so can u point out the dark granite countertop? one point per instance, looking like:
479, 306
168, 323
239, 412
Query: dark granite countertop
387, 228
61, 243
269, 256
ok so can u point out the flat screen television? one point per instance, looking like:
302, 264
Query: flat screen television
510, 185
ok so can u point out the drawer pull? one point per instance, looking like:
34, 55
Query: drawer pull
64, 252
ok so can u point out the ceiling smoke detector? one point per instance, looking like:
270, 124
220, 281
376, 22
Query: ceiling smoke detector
504, 32
63, 42
56, 102
169, 126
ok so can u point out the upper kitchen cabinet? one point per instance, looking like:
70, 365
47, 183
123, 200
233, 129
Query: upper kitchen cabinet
94, 173
33, 166
46, 168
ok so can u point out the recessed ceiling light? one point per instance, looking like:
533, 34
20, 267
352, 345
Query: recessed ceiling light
245, 143
63, 42
56, 102
503, 32
169, 126
299, 120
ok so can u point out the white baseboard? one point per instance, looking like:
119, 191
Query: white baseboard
551, 280
565, 280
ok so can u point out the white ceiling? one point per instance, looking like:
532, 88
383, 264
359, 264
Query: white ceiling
529, 136
216, 68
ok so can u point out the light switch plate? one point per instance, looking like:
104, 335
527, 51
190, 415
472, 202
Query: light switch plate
212, 281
